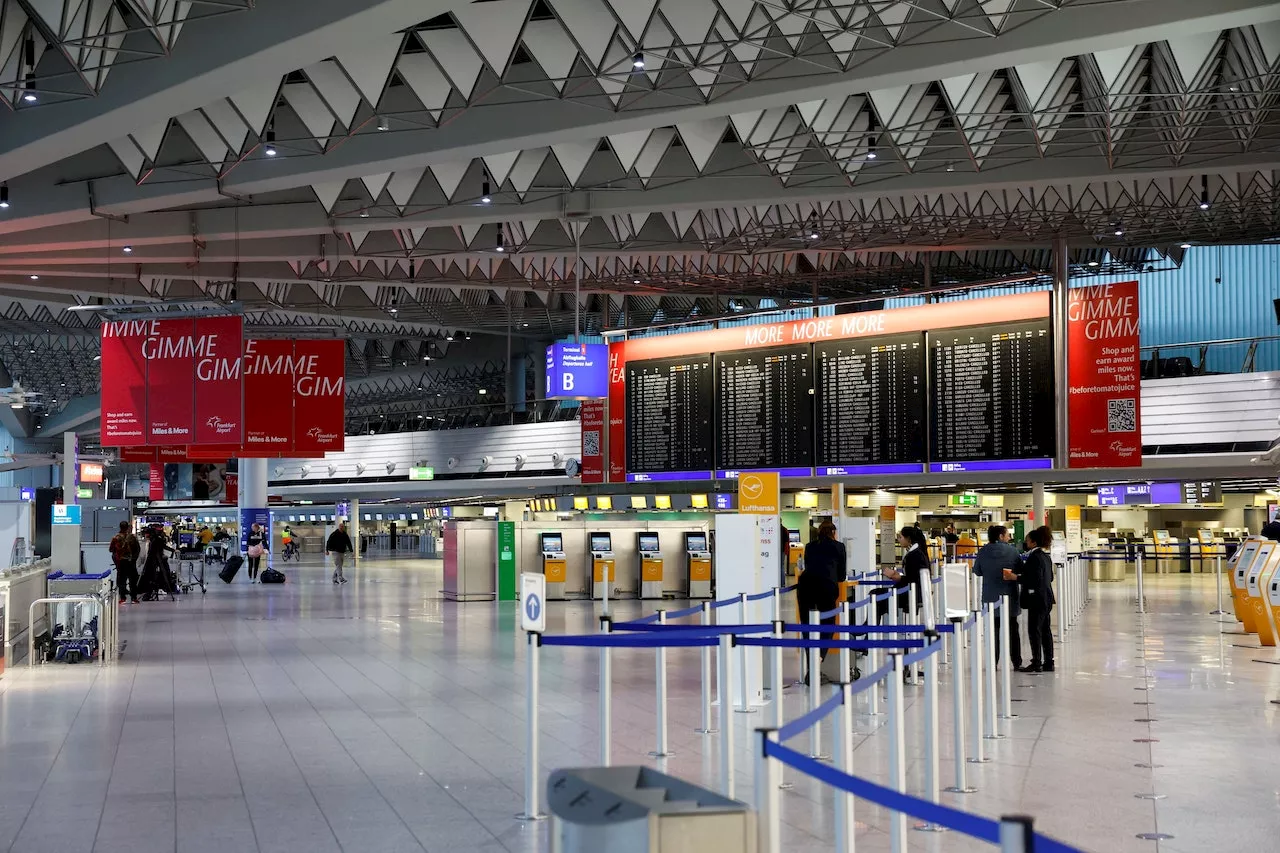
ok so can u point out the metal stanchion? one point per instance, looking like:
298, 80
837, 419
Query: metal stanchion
726, 715
1142, 605
892, 612
660, 749
1017, 835
778, 715
1217, 580
606, 697
815, 691
958, 710
1062, 611
975, 702
932, 772
744, 701
531, 811
912, 614
843, 750
947, 639
897, 753
1006, 657
706, 728
844, 654
989, 646
768, 802
873, 664
777, 604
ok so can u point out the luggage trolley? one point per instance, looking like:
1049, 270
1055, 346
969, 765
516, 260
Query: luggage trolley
189, 576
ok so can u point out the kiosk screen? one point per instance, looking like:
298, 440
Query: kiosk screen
695, 542
601, 542
552, 543
648, 542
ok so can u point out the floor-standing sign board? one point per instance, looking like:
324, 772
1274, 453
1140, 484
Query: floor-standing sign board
506, 561
533, 602
1104, 377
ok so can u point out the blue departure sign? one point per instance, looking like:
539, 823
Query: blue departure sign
577, 371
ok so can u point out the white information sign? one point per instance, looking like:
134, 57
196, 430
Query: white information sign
533, 601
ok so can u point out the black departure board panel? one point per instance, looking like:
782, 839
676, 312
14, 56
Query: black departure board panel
991, 392
669, 414
764, 408
871, 401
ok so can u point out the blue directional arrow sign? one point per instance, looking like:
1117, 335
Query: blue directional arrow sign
533, 596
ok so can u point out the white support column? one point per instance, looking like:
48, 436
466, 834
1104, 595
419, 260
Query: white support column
1061, 300
1037, 505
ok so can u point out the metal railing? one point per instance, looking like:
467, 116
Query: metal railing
1199, 358
423, 417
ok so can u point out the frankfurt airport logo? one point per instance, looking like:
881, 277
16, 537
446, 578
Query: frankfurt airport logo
220, 426
320, 436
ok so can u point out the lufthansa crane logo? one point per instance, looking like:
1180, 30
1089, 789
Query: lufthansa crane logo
751, 487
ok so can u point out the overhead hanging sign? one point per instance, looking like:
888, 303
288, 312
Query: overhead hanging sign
422, 472
577, 371
151, 372
1103, 377
759, 493
591, 418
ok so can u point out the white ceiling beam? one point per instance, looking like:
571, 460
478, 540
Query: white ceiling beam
228, 53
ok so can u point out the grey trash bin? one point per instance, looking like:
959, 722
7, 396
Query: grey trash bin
639, 810
1107, 566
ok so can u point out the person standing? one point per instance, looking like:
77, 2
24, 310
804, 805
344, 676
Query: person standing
337, 547
125, 549
915, 559
995, 564
826, 566
255, 547
1035, 576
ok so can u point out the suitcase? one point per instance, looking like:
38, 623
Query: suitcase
228, 573
271, 576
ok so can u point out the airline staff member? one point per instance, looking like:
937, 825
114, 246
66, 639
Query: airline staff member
826, 565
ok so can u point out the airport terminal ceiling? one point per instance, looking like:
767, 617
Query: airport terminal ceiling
413, 176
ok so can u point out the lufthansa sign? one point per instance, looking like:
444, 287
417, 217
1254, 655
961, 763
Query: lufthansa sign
577, 371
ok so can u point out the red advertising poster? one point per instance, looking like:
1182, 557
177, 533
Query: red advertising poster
218, 344
156, 482
231, 494
137, 454
170, 354
592, 422
268, 396
319, 411
124, 383
1103, 373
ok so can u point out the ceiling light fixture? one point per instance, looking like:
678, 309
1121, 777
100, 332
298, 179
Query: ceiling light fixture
502, 241
364, 214
951, 167
1204, 192
1186, 245
483, 391
128, 250
637, 61
449, 337
4, 196
382, 124
29, 95
270, 149
871, 148
35, 277
1093, 263
1119, 231
485, 198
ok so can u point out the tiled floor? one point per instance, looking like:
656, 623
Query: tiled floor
378, 717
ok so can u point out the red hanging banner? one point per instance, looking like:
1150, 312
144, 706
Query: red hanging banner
268, 398
170, 352
593, 435
1104, 377
156, 482
124, 383
219, 414
319, 411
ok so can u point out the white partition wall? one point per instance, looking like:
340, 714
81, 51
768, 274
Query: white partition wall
747, 557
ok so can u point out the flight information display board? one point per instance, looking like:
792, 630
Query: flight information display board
991, 396
669, 417
871, 405
764, 409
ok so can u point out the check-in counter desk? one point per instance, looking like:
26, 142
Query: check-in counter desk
1162, 554
1206, 551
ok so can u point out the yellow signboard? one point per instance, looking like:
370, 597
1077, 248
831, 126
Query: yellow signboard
1073, 512
908, 500
806, 500
857, 500
759, 493
992, 500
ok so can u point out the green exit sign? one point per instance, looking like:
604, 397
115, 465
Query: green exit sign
422, 473
962, 500
84, 493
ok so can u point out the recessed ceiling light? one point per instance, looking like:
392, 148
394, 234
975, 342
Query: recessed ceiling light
1186, 245
30, 97
526, 325
128, 250
483, 391
1093, 263
35, 278
637, 61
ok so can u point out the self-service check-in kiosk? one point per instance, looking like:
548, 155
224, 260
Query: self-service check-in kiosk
795, 551
602, 564
1273, 601
1259, 578
651, 575
553, 564
1166, 552
1240, 563
698, 557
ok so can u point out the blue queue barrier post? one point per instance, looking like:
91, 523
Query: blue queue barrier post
705, 655
1017, 835
661, 749
897, 751
989, 646
1006, 660
842, 752
606, 698
726, 715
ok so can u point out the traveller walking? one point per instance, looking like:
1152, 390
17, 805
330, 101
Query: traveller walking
338, 547
255, 547
1035, 577
995, 564
826, 566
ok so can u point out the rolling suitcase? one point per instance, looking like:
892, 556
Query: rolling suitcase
228, 573
272, 576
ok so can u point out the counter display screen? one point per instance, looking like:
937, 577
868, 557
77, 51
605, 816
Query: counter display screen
1202, 492
991, 394
647, 542
669, 416
871, 401
764, 408
601, 542
552, 542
